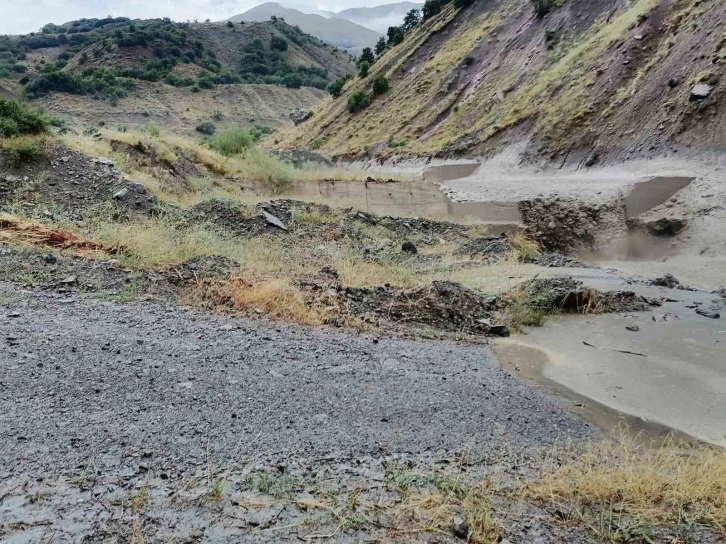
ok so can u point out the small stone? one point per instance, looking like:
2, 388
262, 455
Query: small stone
669, 280
633, 328
120, 194
272, 220
69, 280
50, 258
500, 330
409, 247
103, 160
705, 312
460, 527
701, 91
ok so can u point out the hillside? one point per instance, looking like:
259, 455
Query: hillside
340, 33
378, 18
585, 81
173, 73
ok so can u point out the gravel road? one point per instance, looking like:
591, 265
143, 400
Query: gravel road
83, 377
149, 388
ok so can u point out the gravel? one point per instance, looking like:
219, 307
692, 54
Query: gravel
86, 378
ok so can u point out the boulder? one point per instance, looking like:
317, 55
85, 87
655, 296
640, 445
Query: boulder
300, 115
666, 226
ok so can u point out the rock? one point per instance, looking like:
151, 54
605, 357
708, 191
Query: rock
666, 226
701, 91
120, 194
633, 328
500, 330
69, 280
669, 280
460, 527
272, 220
408, 247
721, 292
11, 178
592, 159
103, 160
710, 313
300, 115
674, 82
13, 314
50, 258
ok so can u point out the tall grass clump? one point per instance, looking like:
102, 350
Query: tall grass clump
232, 141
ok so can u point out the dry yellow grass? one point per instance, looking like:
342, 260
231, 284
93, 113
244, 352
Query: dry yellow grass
660, 484
277, 298
159, 242
354, 271
524, 247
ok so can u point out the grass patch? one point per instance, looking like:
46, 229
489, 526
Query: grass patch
22, 150
661, 484
524, 247
160, 242
232, 141
278, 298
354, 271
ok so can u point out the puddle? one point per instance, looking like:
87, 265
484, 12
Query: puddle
447, 172
648, 194
529, 363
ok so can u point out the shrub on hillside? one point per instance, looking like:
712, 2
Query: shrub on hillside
364, 67
278, 44
543, 7
336, 88
206, 127
21, 150
358, 101
232, 141
380, 84
17, 118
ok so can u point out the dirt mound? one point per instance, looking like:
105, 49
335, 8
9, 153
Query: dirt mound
567, 225
203, 267
491, 247
228, 215
444, 305
72, 183
571, 296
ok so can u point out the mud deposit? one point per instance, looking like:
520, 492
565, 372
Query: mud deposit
100, 402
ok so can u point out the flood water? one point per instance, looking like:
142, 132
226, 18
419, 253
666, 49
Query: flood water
405, 199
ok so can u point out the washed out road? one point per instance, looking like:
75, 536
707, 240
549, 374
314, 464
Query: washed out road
84, 378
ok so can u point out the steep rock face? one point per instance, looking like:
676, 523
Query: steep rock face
590, 81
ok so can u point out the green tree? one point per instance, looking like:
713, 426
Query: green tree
380, 46
366, 56
412, 18
364, 67
395, 35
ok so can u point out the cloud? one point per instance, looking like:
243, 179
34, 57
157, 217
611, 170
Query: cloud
23, 16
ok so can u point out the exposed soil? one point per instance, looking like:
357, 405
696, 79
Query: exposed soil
71, 184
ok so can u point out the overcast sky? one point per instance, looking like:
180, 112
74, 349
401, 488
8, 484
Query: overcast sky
23, 16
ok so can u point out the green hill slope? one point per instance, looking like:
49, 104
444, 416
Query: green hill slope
586, 79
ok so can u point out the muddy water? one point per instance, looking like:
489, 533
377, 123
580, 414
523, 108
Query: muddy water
648, 194
670, 373
406, 199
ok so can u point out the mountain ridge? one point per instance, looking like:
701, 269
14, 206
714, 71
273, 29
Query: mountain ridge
338, 32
